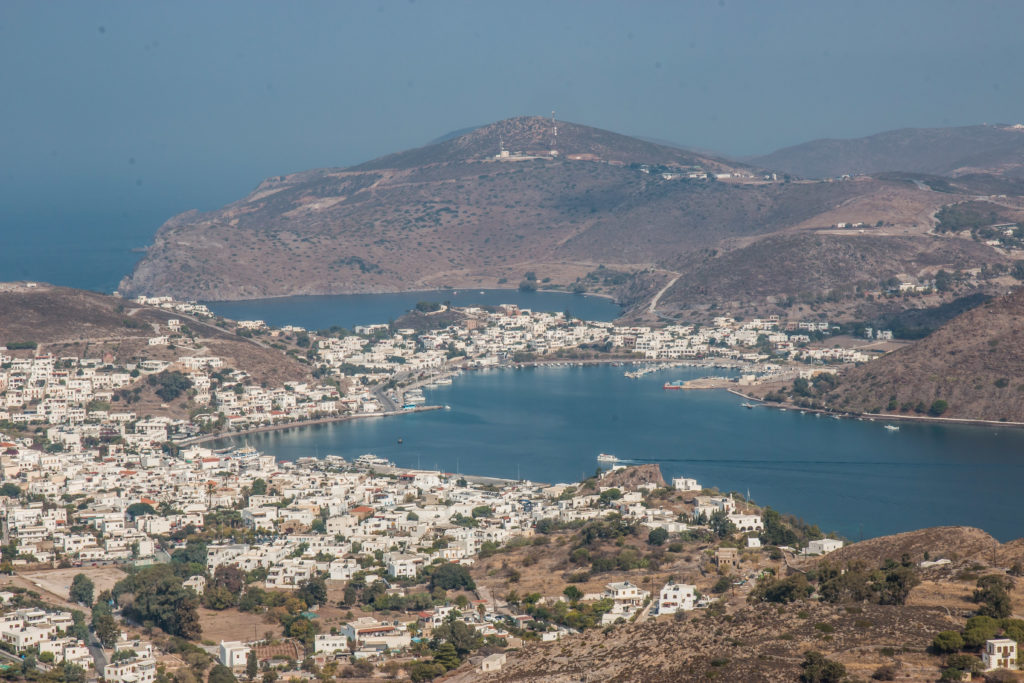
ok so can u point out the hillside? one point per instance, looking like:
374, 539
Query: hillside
73, 322
974, 363
938, 151
450, 214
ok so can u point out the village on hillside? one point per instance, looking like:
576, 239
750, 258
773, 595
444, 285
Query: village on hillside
328, 565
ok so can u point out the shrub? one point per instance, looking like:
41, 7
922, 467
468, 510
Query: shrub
886, 672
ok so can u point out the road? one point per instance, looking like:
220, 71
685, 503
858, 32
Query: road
654, 301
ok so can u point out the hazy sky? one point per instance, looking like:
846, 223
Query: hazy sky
161, 107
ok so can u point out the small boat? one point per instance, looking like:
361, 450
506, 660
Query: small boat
892, 428
606, 457
747, 405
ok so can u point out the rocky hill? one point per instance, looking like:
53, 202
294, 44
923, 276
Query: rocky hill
73, 322
450, 214
974, 363
939, 151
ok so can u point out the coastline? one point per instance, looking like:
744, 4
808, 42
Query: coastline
195, 440
539, 290
977, 422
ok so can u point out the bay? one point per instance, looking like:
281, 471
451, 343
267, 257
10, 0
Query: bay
549, 423
317, 312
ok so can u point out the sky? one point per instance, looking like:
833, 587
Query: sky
129, 112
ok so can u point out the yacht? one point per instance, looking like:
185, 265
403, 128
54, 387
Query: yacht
606, 457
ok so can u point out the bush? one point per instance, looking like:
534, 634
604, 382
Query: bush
818, 669
886, 672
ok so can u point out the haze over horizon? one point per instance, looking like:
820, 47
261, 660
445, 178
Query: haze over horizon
130, 113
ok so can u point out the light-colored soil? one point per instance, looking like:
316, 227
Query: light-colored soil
58, 581
232, 624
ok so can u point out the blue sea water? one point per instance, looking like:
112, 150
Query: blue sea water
549, 423
349, 310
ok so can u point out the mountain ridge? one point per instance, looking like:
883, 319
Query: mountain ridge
938, 151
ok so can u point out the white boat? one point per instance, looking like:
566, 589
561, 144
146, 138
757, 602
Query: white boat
892, 428
606, 457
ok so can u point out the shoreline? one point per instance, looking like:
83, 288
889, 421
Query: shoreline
968, 421
195, 440
419, 291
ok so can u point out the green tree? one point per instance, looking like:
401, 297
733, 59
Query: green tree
979, 629
948, 641
103, 624
313, 591
446, 656
139, 509
259, 488
938, 407
657, 536
221, 674
720, 524
82, 589
251, 665
160, 597
964, 662
993, 592
464, 638
10, 490
451, 576
573, 593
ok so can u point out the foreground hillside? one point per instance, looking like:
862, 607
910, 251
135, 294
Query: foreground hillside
450, 214
939, 151
974, 364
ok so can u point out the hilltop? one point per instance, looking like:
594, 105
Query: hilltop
974, 363
937, 151
452, 215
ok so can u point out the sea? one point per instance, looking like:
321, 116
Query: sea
548, 424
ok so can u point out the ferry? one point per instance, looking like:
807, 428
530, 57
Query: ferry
606, 457
892, 428
371, 460
678, 384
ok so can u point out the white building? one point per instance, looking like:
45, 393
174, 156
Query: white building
234, 654
999, 653
675, 597
325, 643
823, 546
684, 484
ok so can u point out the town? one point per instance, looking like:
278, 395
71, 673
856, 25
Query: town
331, 565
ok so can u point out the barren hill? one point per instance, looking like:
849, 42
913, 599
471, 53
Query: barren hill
451, 214
974, 363
939, 151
